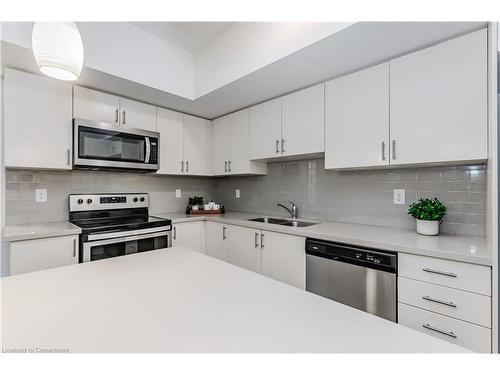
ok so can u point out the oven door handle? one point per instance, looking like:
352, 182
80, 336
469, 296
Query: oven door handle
148, 150
108, 234
88, 245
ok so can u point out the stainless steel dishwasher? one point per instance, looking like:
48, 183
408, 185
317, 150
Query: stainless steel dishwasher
359, 277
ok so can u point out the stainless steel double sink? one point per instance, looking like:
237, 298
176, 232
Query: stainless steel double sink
287, 222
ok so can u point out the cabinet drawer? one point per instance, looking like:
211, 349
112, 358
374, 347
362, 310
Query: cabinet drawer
474, 308
470, 277
456, 331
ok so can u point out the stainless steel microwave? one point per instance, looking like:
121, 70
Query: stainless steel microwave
98, 145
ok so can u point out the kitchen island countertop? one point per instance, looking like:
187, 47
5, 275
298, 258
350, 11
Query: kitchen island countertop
177, 300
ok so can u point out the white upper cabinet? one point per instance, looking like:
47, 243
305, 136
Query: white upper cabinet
183, 143
195, 145
230, 152
303, 123
95, 105
220, 145
171, 128
38, 121
265, 130
138, 115
357, 119
439, 102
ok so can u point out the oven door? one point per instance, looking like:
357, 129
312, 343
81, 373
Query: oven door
118, 246
101, 145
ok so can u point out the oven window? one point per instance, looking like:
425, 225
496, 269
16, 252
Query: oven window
102, 144
128, 247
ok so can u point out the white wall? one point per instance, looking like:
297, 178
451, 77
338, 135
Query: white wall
249, 46
126, 51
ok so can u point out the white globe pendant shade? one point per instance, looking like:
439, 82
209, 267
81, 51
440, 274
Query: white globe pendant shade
58, 49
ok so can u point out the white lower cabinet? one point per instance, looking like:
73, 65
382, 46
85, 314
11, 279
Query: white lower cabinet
189, 235
43, 253
284, 258
217, 242
446, 299
244, 248
470, 336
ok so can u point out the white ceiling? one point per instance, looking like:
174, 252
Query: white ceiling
190, 36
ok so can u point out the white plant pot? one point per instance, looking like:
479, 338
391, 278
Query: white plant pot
428, 227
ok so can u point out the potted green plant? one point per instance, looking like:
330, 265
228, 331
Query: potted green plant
429, 212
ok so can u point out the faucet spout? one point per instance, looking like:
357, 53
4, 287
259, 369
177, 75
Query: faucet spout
292, 211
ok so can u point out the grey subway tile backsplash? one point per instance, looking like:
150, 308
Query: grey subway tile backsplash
362, 196
21, 207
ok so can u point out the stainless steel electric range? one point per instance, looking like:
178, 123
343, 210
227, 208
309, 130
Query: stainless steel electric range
117, 224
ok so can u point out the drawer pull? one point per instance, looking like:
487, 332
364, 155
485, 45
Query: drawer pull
450, 304
430, 270
431, 328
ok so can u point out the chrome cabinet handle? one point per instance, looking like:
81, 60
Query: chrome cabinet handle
68, 156
450, 304
282, 145
116, 116
383, 150
430, 270
174, 235
438, 330
182, 165
187, 166
277, 146
224, 233
229, 165
74, 248
261, 240
123, 118
393, 149
225, 166
256, 240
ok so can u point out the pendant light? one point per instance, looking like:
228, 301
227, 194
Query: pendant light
58, 49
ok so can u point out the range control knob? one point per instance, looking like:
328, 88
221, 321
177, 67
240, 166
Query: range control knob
135, 199
79, 201
142, 199
89, 201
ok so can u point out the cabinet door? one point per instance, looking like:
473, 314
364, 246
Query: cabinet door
44, 253
221, 138
265, 130
284, 258
170, 127
195, 145
244, 248
303, 128
137, 115
357, 119
439, 102
189, 235
38, 121
95, 105
238, 148
217, 242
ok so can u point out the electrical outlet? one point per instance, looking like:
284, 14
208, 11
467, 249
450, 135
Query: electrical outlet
178, 193
399, 196
41, 195
237, 193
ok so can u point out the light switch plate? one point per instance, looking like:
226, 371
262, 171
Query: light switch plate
178, 193
399, 196
41, 195
237, 193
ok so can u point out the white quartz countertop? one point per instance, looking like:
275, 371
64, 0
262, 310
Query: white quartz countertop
470, 249
177, 300
39, 230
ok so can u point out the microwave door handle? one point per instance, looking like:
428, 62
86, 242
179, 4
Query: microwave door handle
148, 150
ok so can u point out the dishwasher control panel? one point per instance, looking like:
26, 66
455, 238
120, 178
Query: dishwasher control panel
363, 256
